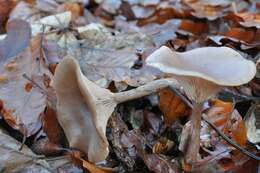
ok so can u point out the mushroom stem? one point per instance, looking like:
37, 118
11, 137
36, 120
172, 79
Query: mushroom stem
144, 90
193, 144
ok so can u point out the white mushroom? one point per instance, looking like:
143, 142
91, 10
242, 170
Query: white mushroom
83, 108
202, 72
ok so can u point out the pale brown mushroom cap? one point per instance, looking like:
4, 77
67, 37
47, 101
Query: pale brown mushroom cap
220, 65
83, 109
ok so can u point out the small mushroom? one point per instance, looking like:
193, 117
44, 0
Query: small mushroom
83, 108
201, 72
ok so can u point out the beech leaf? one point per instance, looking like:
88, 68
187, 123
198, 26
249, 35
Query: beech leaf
17, 39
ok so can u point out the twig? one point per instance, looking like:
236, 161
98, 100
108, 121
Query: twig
227, 139
23, 142
230, 141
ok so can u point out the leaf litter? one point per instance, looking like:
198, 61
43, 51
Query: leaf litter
113, 42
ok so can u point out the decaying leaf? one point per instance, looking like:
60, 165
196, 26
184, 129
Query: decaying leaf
172, 106
250, 19
162, 146
219, 113
14, 160
92, 168
18, 35
5, 8
105, 57
26, 11
51, 126
58, 21
209, 9
23, 89
154, 162
252, 124
227, 120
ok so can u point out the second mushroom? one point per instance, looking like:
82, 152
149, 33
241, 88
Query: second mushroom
201, 72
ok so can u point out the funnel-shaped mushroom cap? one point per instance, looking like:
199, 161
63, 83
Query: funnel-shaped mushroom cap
83, 109
220, 65
212, 66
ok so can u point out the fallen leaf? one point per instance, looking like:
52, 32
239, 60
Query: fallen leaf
227, 120
15, 160
76, 9
219, 113
172, 106
252, 125
195, 28
142, 12
105, 57
209, 9
162, 146
154, 162
162, 32
162, 14
237, 128
45, 147
250, 19
26, 11
5, 8
25, 106
18, 35
51, 127
90, 167
247, 36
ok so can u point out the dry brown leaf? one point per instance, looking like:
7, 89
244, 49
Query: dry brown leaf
51, 127
15, 160
162, 32
23, 92
162, 146
219, 113
5, 8
237, 128
161, 16
155, 162
76, 9
26, 11
18, 35
104, 57
243, 35
195, 28
45, 147
172, 106
90, 167
231, 123
209, 9
250, 19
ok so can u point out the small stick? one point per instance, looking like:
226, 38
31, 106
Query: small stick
227, 139
230, 141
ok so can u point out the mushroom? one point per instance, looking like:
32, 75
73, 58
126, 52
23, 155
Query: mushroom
83, 108
202, 72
